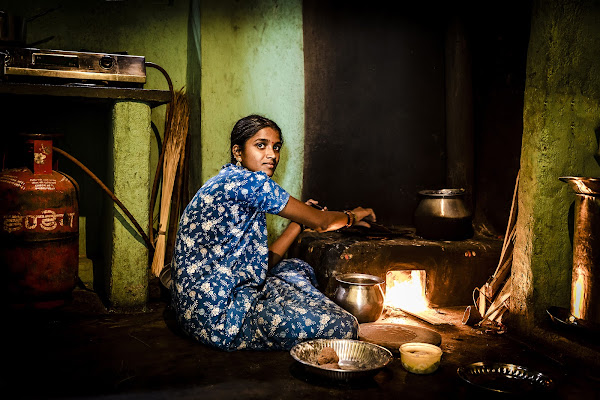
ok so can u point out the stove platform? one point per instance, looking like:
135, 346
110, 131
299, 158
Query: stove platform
453, 268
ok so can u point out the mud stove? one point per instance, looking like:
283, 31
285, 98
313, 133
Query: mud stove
451, 270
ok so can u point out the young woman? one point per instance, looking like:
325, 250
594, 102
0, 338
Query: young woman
230, 290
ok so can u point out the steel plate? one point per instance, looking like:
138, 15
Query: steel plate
505, 378
563, 317
357, 359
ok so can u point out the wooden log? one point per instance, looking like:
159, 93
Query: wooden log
512, 219
508, 245
489, 290
498, 302
498, 278
497, 317
505, 262
429, 316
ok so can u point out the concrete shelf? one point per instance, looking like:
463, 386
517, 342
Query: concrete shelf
94, 92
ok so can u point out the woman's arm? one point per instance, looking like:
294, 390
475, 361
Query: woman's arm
323, 221
279, 247
320, 220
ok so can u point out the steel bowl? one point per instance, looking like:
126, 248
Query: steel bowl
357, 359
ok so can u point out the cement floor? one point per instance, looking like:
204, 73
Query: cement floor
83, 351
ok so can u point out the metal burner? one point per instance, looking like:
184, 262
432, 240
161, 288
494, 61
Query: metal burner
31, 64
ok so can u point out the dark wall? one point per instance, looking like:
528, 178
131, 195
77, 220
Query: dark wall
499, 40
376, 104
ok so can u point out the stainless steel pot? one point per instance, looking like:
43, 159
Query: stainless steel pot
443, 215
361, 295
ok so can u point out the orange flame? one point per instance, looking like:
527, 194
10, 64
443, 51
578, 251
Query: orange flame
406, 290
578, 293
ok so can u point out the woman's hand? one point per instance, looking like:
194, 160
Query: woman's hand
363, 216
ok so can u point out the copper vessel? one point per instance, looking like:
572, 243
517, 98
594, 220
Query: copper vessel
585, 282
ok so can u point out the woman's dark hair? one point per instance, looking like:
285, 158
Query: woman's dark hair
246, 127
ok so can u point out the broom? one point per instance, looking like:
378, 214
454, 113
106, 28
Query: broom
174, 146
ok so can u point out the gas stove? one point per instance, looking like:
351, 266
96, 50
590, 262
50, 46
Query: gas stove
59, 66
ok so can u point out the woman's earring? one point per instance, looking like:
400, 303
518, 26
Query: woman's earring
238, 163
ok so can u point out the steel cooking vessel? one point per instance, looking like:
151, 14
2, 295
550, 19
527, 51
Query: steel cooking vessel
443, 215
362, 295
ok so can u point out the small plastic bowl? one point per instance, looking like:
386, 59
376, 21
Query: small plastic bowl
420, 358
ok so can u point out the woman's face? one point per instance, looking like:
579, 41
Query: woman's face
260, 152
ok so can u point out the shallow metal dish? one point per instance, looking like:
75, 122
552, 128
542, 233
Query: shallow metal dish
505, 378
357, 359
563, 317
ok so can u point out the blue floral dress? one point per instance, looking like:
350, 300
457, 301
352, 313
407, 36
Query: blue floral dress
222, 293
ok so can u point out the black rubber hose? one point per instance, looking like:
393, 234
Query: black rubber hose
157, 175
111, 194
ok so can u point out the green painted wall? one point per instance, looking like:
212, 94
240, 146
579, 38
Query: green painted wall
156, 30
561, 114
234, 58
252, 62
153, 29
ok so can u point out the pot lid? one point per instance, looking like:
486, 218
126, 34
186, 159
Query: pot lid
583, 185
359, 279
443, 193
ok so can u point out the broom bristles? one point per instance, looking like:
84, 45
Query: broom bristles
173, 149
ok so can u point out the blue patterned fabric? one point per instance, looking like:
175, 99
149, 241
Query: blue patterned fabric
221, 293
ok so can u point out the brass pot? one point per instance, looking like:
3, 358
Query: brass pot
585, 275
361, 295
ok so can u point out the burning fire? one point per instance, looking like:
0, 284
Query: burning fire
579, 298
406, 290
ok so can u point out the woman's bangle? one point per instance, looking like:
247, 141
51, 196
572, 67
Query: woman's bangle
351, 218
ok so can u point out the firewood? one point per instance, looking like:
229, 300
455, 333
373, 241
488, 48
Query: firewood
508, 245
498, 317
498, 278
429, 316
489, 290
512, 219
499, 301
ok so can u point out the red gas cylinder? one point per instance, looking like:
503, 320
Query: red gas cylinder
39, 239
